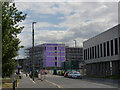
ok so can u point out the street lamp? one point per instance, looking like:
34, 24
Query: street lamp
75, 43
33, 49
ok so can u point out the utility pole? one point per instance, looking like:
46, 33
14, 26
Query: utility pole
75, 53
33, 50
75, 43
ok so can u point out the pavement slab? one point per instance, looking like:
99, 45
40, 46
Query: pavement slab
27, 82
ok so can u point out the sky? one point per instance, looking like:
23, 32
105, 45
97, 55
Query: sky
64, 22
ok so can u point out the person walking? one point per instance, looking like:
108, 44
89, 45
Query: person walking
26, 74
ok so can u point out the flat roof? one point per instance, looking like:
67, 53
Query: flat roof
103, 32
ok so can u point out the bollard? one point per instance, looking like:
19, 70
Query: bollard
13, 85
16, 83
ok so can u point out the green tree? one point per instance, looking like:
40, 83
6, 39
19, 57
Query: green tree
11, 18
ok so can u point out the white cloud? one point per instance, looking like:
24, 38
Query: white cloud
82, 20
66, 0
42, 24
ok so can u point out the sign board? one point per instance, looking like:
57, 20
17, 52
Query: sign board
19, 66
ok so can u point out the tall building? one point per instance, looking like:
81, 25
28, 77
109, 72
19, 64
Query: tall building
48, 55
102, 53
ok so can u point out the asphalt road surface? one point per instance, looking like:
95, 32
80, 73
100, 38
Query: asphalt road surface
63, 82
54, 81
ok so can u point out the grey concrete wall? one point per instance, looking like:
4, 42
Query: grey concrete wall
116, 67
108, 35
98, 69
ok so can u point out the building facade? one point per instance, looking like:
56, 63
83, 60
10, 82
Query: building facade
54, 55
47, 56
74, 53
74, 58
102, 53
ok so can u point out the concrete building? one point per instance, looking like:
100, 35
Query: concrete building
74, 53
47, 56
102, 53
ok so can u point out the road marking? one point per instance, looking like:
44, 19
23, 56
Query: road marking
54, 84
53, 76
32, 80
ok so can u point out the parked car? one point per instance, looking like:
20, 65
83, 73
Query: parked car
70, 74
77, 75
66, 74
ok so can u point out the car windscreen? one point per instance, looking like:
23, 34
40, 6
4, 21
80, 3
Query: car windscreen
76, 73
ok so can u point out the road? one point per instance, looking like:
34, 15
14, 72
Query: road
54, 81
63, 82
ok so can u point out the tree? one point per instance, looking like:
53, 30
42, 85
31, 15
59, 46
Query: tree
11, 18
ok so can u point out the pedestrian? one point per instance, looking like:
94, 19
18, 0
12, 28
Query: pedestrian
26, 74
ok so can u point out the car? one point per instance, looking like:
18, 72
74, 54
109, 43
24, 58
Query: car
66, 74
77, 75
70, 74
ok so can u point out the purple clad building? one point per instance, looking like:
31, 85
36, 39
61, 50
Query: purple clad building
53, 55
47, 55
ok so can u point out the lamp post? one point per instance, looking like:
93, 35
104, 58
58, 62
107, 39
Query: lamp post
33, 49
75, 43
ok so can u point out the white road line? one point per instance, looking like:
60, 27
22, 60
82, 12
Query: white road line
32, 81
54, 84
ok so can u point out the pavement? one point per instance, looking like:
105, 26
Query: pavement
112, 82
27, 82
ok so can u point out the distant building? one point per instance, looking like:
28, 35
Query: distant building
74, 58
102, 53
20, 63
74, 53
47, 55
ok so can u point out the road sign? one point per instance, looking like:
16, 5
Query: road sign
19, 66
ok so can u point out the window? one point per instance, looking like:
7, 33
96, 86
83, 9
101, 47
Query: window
111, 42
92, 52
101, 49
88, 54
116, 47
55, 63
104, 49
55, 48
55, 58
84, 55
98, 50
119, 45
95, 52
108, 50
